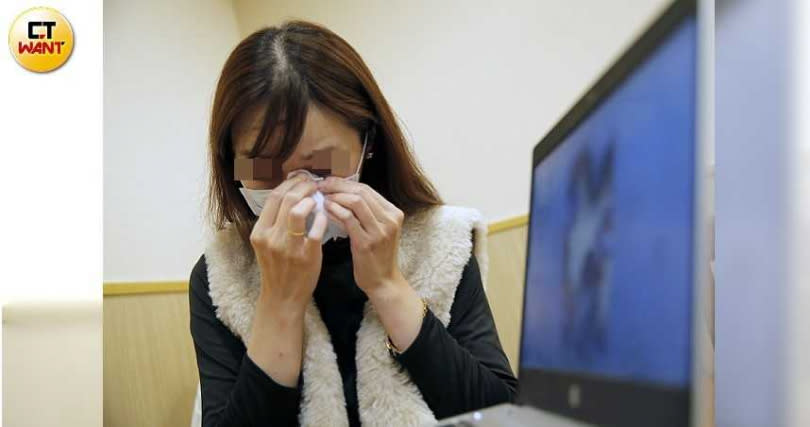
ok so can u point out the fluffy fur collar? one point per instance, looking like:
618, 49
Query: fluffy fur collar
434, 248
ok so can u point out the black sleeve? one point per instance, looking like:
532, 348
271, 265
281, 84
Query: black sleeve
461, 368
235, 391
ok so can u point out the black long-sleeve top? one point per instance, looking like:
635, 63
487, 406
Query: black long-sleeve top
457, 369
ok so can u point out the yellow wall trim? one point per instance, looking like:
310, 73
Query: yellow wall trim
508, 224
132, 288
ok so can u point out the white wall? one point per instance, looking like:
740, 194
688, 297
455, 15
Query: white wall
763, 195
51, 166
477, 83
51, 240
798, 406
161, 62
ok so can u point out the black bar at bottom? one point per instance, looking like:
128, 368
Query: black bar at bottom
604, 401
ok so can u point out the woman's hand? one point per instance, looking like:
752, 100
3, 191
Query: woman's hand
289, 263
374, 226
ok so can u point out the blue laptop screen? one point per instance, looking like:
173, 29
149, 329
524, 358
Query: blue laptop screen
609, 277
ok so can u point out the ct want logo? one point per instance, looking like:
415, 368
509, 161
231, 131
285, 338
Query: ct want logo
41, 39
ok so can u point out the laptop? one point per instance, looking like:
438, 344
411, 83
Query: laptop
615, 250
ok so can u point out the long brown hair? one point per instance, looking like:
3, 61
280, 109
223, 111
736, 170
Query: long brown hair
286, 68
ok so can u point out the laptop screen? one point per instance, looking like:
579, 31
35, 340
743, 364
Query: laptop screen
609, 277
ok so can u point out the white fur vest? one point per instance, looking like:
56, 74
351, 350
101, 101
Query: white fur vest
434, 247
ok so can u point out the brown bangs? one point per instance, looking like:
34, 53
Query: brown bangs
285, 115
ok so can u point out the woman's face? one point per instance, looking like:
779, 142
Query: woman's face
328, 146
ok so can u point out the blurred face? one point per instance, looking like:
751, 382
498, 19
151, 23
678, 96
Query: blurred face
328, 146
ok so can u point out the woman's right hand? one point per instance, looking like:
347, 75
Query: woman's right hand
289, 264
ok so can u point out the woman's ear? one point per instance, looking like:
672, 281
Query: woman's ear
371, 133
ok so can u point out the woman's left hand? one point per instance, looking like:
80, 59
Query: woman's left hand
374, 225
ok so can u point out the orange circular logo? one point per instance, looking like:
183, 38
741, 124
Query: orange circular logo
41, 39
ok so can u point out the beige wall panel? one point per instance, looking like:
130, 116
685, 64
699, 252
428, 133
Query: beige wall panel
150, 370
52, 364
507, 257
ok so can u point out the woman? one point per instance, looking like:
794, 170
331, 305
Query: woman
352, 299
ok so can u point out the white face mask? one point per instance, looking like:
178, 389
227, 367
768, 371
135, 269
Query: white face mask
256, 198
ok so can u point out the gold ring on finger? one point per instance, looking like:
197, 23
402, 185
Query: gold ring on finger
296, 233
